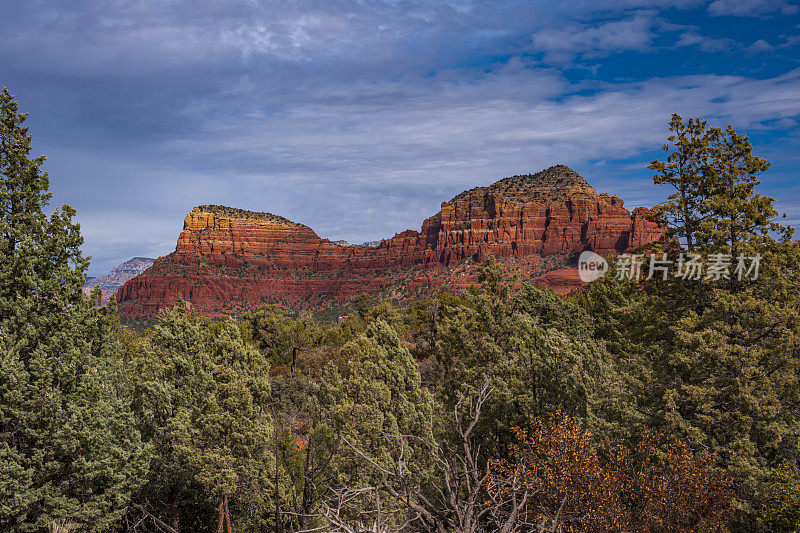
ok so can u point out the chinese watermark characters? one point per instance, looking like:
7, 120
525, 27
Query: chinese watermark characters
688, 267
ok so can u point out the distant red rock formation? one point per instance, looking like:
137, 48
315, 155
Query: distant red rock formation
229, 260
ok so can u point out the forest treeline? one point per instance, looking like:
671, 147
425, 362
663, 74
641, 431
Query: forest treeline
639, 403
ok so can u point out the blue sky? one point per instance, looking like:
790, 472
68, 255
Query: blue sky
359, 118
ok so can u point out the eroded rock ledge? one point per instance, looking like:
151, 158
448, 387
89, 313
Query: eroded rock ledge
228, 260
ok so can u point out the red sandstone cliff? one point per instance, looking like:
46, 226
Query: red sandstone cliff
229, 260
112, 281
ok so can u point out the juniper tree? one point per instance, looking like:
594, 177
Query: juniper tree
374, 404
779, 502
279, 336
172, 374
202, 398
379, 390
538, 352
68, 446
228, 441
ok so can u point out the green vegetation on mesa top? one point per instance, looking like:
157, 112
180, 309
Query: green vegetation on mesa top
234, 212
634, 405
550, 183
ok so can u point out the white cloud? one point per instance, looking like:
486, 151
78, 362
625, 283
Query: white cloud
706, 43
759, 47
357, 118
560, 45
343, 167
751, 8
367, 166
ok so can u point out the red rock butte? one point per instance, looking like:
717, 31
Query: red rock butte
229, 260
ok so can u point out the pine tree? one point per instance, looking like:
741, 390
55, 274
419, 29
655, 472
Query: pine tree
714, 174
736, 215
687, 148
721, 351
68, 446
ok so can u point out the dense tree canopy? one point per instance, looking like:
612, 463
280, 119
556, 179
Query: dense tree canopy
69, 449
638, 403
715, 356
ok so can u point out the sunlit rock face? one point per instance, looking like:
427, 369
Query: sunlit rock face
229, 260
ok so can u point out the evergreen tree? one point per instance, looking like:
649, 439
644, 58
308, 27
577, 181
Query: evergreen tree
718, 354
228, 438
376, 405
172, 375
687, 149
536, 350
68, 447
379, 390
202, 401
779, 501
279, 336
736, 215
714, 173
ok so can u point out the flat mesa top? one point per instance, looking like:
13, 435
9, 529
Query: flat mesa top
556, 182
233, 212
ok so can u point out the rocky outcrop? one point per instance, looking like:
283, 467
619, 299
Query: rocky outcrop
229, 260
554, 211
111, 282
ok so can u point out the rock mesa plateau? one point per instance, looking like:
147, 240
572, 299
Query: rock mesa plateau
228, 260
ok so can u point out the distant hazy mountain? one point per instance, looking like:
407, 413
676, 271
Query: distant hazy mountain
118, 275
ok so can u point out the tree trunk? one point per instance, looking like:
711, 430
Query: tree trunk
220, 517
173, 497
227, 516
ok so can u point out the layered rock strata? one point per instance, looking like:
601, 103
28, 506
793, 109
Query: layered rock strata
229, 260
